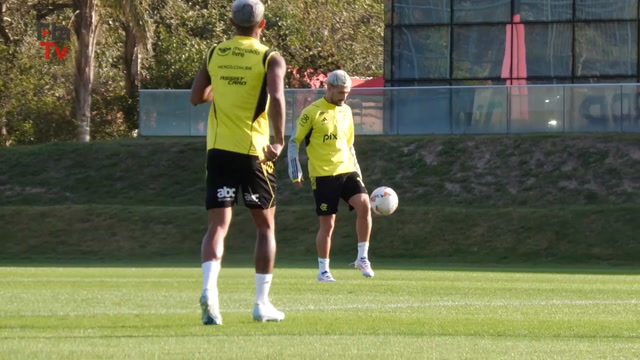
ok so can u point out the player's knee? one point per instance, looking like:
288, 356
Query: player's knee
360, 202
325, 232
327, 227
327, 223
265, 229
216, 230
264, 224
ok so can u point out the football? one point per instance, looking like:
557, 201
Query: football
384, 201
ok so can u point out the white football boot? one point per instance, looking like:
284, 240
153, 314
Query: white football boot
210, 310
365, 266
325, 276
267, 312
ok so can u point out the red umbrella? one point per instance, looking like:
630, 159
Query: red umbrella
514, 68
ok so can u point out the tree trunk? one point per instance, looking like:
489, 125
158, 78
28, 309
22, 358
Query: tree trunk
6, 38
4, 34
131, 62
86, 28
4, 136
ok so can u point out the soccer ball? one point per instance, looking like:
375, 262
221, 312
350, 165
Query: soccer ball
384, 201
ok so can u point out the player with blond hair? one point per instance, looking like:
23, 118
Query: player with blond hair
326, 127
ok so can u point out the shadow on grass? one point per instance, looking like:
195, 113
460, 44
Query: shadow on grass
246, 261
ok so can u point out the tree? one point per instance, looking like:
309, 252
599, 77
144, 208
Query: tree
184, 30
93, 95
134, 20
86, 26
6, 52
349, 37
4, 33
5, 55
34, 96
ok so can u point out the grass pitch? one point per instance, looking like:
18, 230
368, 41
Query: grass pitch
405, 312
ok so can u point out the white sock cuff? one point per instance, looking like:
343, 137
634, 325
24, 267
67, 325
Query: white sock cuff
263, 284
209, 266
363, 249
323, 265
210, 271
263, 278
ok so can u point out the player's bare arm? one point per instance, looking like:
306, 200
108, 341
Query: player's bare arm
276, 69
201, 87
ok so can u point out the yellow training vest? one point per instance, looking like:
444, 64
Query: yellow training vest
238, 118
329, 134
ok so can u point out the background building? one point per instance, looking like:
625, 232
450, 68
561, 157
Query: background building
481, 67
440, 55
469, 42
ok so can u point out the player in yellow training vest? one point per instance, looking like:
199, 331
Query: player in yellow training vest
244, 81
326, 127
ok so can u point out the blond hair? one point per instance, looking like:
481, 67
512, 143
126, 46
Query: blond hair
338, 78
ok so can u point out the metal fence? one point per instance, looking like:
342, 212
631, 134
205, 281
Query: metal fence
434, 110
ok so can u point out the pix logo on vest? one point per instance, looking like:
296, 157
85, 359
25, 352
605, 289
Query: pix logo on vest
226, 194
53, 32
329, 137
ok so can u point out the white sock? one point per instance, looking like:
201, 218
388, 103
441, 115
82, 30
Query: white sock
363, 249
263, 284
210, 271
323, 265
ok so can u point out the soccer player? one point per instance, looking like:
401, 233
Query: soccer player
326, 126
244, 80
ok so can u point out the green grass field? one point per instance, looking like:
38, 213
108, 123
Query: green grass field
503, 247
406, 312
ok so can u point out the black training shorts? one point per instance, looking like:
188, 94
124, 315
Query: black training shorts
231, 174
328, 190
